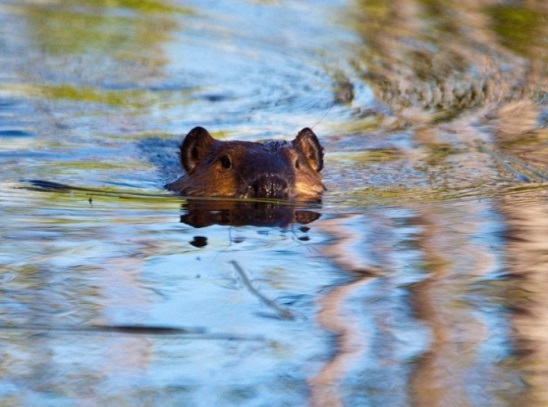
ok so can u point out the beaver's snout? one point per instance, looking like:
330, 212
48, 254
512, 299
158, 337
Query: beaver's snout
268, 186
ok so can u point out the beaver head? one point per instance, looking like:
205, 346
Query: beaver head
242, 169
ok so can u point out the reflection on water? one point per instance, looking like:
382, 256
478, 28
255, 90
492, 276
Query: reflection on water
420, 279
526, 256
200, 213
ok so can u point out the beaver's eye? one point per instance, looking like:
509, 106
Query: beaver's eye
297, 164
225, 162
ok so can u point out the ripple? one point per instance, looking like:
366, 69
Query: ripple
16, 133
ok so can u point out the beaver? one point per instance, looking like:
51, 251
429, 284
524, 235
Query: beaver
287, 170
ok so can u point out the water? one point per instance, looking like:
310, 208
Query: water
420, 279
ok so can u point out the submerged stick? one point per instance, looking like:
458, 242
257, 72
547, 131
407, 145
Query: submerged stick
283, 313
187, 333
50, 186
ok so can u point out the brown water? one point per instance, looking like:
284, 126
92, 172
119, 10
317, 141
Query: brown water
420, 280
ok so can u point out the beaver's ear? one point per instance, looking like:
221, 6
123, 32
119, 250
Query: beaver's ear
307, 144
196, 145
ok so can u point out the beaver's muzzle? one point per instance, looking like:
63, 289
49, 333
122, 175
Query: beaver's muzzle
268, 186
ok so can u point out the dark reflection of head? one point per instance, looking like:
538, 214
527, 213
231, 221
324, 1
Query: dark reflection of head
206, 212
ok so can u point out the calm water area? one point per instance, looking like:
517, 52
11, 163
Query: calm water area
421, 279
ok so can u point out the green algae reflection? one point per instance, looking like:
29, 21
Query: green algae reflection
78, 27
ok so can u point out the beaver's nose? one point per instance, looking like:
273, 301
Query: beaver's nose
269, 186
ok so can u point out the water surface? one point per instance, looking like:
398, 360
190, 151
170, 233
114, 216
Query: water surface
419, 280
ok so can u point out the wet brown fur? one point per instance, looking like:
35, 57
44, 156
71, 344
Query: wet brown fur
242, 169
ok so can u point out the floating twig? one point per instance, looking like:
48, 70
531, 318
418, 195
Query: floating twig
282, 312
